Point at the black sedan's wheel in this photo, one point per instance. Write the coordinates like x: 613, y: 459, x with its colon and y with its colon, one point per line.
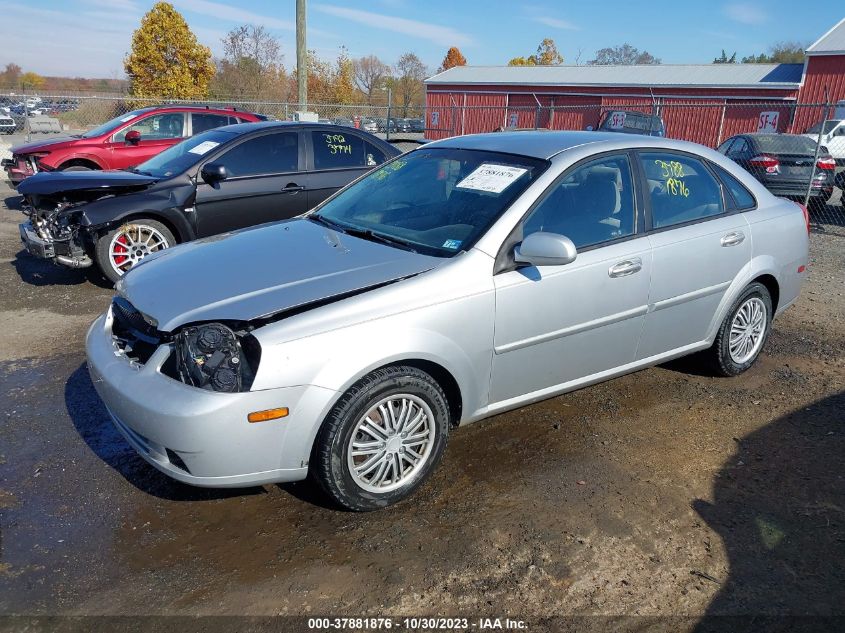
x: 120, y: 249
x: 383, y: 439
x: 743, y: 332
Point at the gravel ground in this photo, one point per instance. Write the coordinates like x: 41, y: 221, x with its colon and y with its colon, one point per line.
x: 663, y: 493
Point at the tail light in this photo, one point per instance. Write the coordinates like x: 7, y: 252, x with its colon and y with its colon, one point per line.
x: 806, y: 216
x: 827, y: 163
x: 769, y: 163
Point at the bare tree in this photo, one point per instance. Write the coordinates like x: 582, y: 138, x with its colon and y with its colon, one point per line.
x: 410, y: 73
x: 251, y: 64
x: 369, y: 73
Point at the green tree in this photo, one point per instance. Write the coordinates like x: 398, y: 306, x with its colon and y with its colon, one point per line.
x: 522, y: 61
x: 622, y: 55
x: 724, y: 59
x: 166, y: 60
x: 779, y: 53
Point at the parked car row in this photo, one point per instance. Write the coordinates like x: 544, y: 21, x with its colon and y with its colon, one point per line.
x: 379, y: 124
x: 216, y: 181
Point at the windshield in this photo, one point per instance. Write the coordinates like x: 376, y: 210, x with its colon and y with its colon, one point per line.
x: 176, y: 159
x: 111, y: 125
x: 785, y: 144
x: 436, y: 201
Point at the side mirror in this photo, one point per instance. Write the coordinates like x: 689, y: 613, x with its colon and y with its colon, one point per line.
x: 212, y: 173
x: 545, y: 249
x: 133, y: 137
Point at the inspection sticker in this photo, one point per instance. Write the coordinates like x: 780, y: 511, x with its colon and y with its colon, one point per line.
x: 491, y: 178
x: 204, y: 147
x: 452, y: 244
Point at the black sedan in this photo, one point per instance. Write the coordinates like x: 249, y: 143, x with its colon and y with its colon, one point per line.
x: 784, y: 163
x: 217, y: 181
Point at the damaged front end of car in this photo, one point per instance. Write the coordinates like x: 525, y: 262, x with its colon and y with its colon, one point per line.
x: 215, y: 356
x: 54, y: 231
x: 55, y: 203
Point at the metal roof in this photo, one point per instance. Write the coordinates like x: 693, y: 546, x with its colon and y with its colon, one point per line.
x: 675, y: 75
x: 831, y: 43
x: 545, y: 145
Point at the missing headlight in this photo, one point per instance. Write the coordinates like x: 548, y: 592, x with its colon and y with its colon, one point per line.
x: 210, y: 356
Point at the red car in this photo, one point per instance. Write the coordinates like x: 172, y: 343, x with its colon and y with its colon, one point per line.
x: 127, y: 140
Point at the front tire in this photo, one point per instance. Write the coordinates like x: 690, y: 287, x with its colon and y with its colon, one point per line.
x: 743, y: 332
x: 382, y: 440
x: 122, y: 248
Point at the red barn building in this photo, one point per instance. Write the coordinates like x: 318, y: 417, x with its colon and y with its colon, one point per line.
x: 705, y: 103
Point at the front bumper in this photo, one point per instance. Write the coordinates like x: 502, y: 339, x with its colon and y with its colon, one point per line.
x: 34, y: 244
x: 201, y: 437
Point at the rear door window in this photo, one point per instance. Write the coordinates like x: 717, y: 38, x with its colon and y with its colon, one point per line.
x: 342, y: 150
x: 680, y: 189
x: 268, y: 154
x: 202, y: 121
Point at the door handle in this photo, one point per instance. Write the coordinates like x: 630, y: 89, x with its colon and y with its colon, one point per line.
x: 734, y: 238
x: 292, y: 187
x: 625, y: 268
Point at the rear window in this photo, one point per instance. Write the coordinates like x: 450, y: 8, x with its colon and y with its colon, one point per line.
x: 339, y: 150
x: 785, y: 144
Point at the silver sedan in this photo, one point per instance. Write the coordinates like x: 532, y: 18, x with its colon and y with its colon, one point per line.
x: 468, y: 277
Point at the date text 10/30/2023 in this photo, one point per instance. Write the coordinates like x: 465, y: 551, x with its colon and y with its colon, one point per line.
x: 416, y: 624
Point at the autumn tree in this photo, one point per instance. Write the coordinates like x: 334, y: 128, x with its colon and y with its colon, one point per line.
x: 31, y: 81
x: 779, y: 53
x: 546, y: 55
x: 344, y: 78
x: 624, y: 55
x: 251, y: 64
x: 410, y: 73
x: 10, y: 77
x: 453, y: 58
x: 369, y: 74
x: 166, y: 60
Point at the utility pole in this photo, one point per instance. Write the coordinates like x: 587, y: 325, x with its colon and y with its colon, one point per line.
x: 301, y: 56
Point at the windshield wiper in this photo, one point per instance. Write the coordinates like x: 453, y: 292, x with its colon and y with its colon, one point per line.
x: 319, y: 219
x: 368, y: 234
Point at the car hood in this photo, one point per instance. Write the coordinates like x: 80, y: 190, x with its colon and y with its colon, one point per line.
x: 53, y: 143
x: 46, y: 183
x: 262, y: 271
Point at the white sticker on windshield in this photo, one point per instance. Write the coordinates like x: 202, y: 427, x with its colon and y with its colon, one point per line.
x: 204, y: 147
x: 128, y: 117
x: 491, y: 178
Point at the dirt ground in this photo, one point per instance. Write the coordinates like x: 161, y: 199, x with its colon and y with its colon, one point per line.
x: 666, y: 492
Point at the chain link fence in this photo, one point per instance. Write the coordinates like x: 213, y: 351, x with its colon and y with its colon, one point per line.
x: 796, y: 150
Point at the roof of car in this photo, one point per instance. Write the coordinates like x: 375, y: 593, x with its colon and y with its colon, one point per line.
x: 546, y: 144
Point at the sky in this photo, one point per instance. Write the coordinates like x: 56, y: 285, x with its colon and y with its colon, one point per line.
x: 88, y: 38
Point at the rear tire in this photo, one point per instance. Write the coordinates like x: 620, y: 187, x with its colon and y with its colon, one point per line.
x: 382, y: 440
x: 122, y: 248
x: 743, y: 333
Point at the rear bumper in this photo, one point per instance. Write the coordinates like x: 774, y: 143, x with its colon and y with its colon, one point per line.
x: 799, y: 190
x: 202, y: 437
